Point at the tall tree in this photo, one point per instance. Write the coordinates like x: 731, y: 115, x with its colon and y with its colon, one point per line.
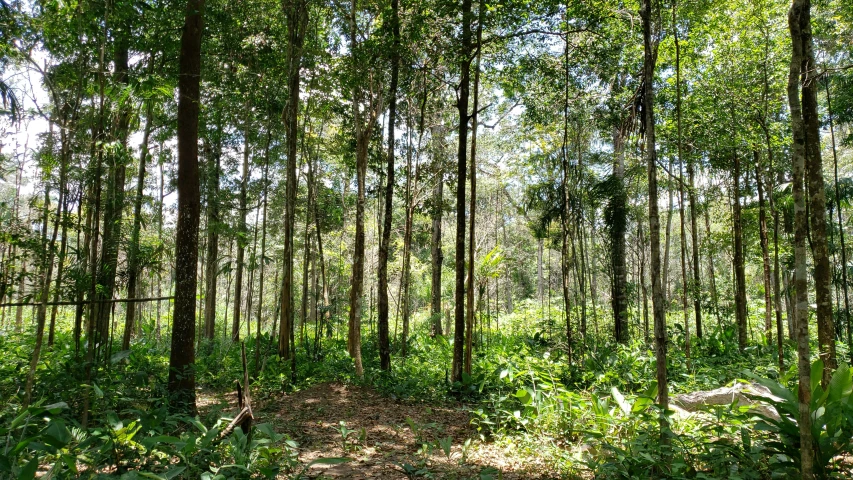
x: 465, y: 59
x: 364, y: 120
x: 809, y: 78
x: 738, y: 254
x: 650, y: 153
x: 182, y: 356
x: 385, y: 242
x: 296, y: 13
x: 798, y: 163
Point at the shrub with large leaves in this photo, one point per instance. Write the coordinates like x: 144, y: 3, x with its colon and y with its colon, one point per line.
x: 832, y: 422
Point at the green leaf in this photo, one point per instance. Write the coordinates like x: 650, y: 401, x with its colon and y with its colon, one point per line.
x: 816, y: 374
x: 56, y: 434
x: 119, y: 356
x: 841, y: 384
x: 29, y: 471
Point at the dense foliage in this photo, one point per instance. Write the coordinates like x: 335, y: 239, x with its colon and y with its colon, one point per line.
x: 561, y: 217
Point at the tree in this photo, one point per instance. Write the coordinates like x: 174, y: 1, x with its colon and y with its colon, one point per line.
x: 650, y: 153
x: 465, y: 59
x: 182, y: 356
x: 384, y: 346
x: 297, y: 21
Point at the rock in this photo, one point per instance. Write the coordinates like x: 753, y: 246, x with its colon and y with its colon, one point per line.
x: 695, y: 401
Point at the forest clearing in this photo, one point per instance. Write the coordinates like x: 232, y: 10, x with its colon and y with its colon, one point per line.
x: 404, y: 239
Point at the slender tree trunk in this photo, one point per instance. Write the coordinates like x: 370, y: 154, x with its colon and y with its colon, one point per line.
x: 470, y: 306
x: 817, y: 196
x: 64, y: 206
x: 461, y: 174
x: 306, y: 261
x: 133, y: 251
x: 668, y: 238
x: 436, y: 253
x: 212, y: 255
x: 263, y: 256
x: 242, y: 232
x: 47, y: 268
x: 411, y: 189
x: 182, y: 358
x: 696, y: 288
x: 296, y: 13
x: 650, y: 154
x: 564, y: 214
x: 385, y: 241
x: 765, y: 251
x: 114, y: 208
x: 540, y: 280
x: 840, y: 223
x: 683, y: 224
x: 800, y: 256
x: 740, y: 276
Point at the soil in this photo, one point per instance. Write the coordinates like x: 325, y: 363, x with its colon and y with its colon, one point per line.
x: 385, y: 438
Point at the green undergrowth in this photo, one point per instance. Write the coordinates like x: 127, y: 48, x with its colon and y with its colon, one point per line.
x: 594, y: 412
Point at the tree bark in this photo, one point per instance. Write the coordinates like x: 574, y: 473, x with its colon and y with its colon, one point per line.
x: 182, y: 357
x: 470, y: 306
x: 212, y: 238
x: 618, y: 211
x: 840, y: 222
x: 436, y: 253
x: 296, y: 13
x: 765, y: 250
x: 740, y: 275
x: 133, y: 253
x: 800, y: 232
x: 242, y: 232
x: 385, y: 242
x: 650, y: 154
x: 817, y: 196
x: 461, y: 177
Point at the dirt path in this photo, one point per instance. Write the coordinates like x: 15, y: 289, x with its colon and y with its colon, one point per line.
x: 387, y: 439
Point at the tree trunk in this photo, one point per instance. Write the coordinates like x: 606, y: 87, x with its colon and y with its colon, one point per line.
x: 114, y: 207
x: 436, y: 253
x: 66, y: 159
x: 212, y: 238
x: 133, y: 253
x: 564, y: 214
x: 817, y: 196
x: 667, y: 238
x: 840, y: 222
x: 263, y: 255
x: 242, y: 232
x: 765, y: 251
x: 385, y: 241
x: 461, y: 174
x: 800, y: 232
x: 47, y: 268
x: 696, y: 288
x: 470, y: 306
x: 182, y: 357
x: 618, y: 212
x: 712, y: 277
x: 296, y: 13
x: 740, y: 276
x: 650, y: 154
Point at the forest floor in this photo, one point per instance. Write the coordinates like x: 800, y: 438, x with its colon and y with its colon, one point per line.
x: 390, y: 439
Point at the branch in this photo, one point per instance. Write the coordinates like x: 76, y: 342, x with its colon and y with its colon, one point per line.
x: 535, y: 31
